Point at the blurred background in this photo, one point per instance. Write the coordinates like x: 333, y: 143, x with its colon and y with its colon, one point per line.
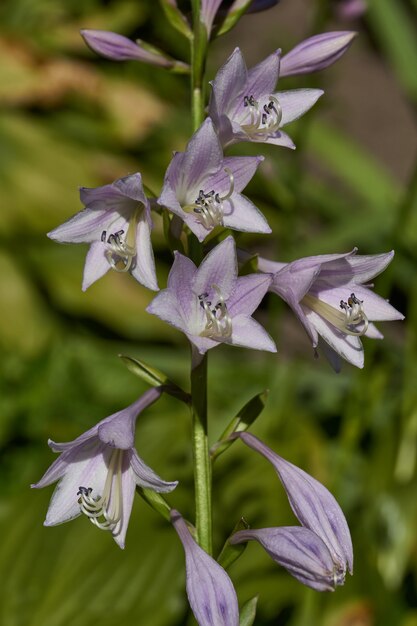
x: 69, y: 118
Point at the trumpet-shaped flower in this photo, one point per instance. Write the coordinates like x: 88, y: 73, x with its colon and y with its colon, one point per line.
x: 117, y: 223
x: 211, y: 304
x: 210, y: 591
x: 203, y: 188
x: 330, y: 296
x: 244, y: 105
x: 320, y: 556
x: 98, y: 473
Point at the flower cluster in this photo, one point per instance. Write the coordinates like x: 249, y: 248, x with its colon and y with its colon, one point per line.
x: 207, y: 300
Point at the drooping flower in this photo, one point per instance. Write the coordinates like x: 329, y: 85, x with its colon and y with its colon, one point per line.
x: 98, y: 473
x: 210, y: 591
x: 203, y: 187
x: 211, y: 304
x: 117, y: 223
x: 330, y: 296
x: 119, y: 48
x: 305, y: 554
x: 316, y: 53
x: 244, y: 105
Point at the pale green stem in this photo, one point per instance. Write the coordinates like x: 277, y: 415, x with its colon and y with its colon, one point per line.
x: 198, y: 66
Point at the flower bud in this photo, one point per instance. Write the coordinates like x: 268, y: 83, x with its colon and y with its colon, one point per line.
x: 316, y: 53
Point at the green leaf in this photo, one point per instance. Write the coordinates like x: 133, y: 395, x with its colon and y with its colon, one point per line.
x: 176, y: 18
x: 154, y: 377
x: 398, y: 36
x: 236, y: 11
x: 248, y: 612
x: 155, y: 501
x: 230, y: 553
x: 246, y: 416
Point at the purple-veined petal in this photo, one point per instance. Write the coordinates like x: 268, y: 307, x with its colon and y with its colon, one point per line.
x: 373, y: 332
x: 209, y: 9
x: 119, y: 48
x: 87, y: 468
x: 180, y: 281
x: 128, y: 492
x: 118, y: 430
x: 229, y: 82
x: 366, y: 267
x: 295, y: 280
x: 166, y: 306
x: 218, y: 268
x: 313, y: 505
x: 300, y: 551
x: 247, y: 293
x: 248, y: 333
x: 144, y: 265
x: 210, y: 591
x: 144, y: 476
x: 349, y: 347
x: 96, y: 264
x: 269, y: 267
x: 376, y: 308
x: 263, y: 77
x: 241, y: 214
x: 52, y: 474
x: 281, y: 139
x: 168, y: 199
x: 296, y: 102
x: 131, y: 186
x: 242, y: 169
x: 85, y: 226
x: 202, y: 344
x: 316, y: 53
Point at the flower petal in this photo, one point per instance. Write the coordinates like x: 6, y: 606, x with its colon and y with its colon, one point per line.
x: 144, y: 476
x: 316, y: 53
x: 296, y: 102
x: 144, y: 266
x: 349, y: 347
x: 128, y: 493
x: 248, y: 333
x: 241, y: 214
x: 119, y: 48
x: 96, y: 264
x: 242, y: 169
x: 218, y: 268
x: 248, y: 293
x: 210, y: 591
x: 229, y: 82
x: 202, y: 158
x: 85, y: 226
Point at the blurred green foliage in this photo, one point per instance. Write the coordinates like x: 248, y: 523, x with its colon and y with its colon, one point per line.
x: 70, y: 119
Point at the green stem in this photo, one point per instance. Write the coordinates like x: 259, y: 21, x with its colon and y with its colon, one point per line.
x: 202, y: 464
x: 198, y: 64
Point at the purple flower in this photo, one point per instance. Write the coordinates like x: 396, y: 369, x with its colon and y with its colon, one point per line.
x: 244, y: 105
x: 98, y: 473
x: 211, y: 304
x: 350, y: 9
x: 119, y: 48
x: 203, y: 188
x: 210, y: 591
x: 328, y: 294
x: 117, y: 223
x: 208, y: 12
x: 316, y: 53
x: 318, y: 512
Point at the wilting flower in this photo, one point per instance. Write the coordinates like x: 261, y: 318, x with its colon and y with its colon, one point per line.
x: 203, y: 188
x: 210, y: 591
x: 211, y: 304
x: 328, y: 294
x: 321, y: 552
x: 316, y: 53
x: 117, y: 223
x: 98, y: 473
x: 244, y: 105
x: 119, y: 48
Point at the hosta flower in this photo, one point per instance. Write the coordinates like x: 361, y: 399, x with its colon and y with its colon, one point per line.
x: 244, y: 105
x: 210, y: 591
x: 117, y: 223
x: 203, y: 188
x: 330, y: 295
x: 98, y: 473
x: 211, y: 304
x: 316, y: 53
x: 320, y: 553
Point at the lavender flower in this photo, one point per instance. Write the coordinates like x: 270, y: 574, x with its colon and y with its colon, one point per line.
x: 328, y: 294
x: 117, y: 223
x: 316, y: 53
x: 245, y: 107
x: 318, y: 512
x: 211, y: 304
x: 210, y: 591
x: 98, y: 473
x: 208, y: 12
x: 119, y: 48
x: 203, y: 188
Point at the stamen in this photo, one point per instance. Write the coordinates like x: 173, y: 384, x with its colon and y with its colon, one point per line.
x: 209, y: 206
x: 120, y: 252
x: 347, y: 320
x: 109, y: 505
x: 262, y: 125
x: 218, y: 321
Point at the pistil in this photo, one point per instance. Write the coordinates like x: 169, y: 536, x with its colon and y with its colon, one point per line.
x: 347, y: 319
x: 218, y: 321
x: 263, y: 122
x: 108, y: 506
